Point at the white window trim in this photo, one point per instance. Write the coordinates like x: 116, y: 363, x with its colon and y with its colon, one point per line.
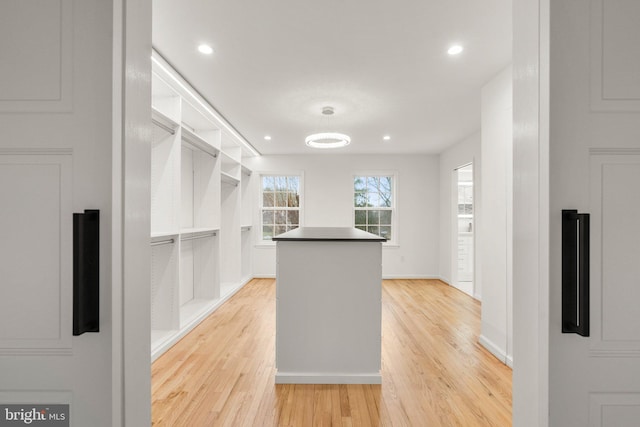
x: 260, y: 243
x: 394, y: 242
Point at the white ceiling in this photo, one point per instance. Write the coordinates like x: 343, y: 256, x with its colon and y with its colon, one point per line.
x: 382, y: 65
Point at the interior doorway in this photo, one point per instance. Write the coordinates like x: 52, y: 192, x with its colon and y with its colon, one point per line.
x: 464, y: 229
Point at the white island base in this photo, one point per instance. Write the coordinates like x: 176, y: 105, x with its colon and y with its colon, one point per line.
x: 328, y: 307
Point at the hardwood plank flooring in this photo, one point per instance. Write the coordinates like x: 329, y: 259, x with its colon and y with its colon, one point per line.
x: 434, y: 372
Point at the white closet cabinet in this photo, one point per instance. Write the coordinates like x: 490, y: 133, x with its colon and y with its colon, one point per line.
x: 199, y: 253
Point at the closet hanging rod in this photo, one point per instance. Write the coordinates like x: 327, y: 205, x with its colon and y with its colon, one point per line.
x: 169, y: 129
x: 163, y: 242
x: 200, y: 236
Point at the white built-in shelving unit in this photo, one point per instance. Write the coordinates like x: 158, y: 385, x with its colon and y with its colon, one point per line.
x: 246, y: 226
x: 200, y: 254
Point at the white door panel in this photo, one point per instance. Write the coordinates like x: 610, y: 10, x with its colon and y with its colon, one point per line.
x: 56, y: 82
x: 36, y: 49
x: 594, y: 163
x: 615, y: 270
x: 615, y: 73
x: 614, y: 409
x: 35, y: 308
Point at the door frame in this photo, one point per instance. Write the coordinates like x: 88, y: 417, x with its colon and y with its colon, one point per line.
x: 454, y: 227
x: 131, y: 190
x: 531, y: 56
x: 131, y: 354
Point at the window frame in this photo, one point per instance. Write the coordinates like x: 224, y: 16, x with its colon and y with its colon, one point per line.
x: 260, y: 240
x: 393, y: 242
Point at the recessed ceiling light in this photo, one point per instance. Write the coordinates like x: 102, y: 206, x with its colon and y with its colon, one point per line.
x: 386, y: 137
x: 455, y: 49
x: 206, y: 49
x: 267, y: 138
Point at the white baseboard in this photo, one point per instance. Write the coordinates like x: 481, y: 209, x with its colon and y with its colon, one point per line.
x: 445, y: 280
x: 315, y: 378
x: 388, y: 277
x: 264, y: 276
x: 494, y: 349
x: 510, y: 361
x: 410, y: 276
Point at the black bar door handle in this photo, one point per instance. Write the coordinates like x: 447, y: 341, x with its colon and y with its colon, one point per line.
x: 575, y: 272
x: 86, y: 272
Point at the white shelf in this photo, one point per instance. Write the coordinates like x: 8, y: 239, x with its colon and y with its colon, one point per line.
x: 195, y: 117
x: 163, y: 121
x: 228, y: 179
x: 198, y: 231
x: 230, y: 166
x: 163, y: 234
x: 229, y: 158
x: 246, y: 171
x: 198, y: 141
x: 245, y: 228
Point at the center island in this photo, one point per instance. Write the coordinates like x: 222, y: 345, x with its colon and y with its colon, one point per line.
x: 328, y: 306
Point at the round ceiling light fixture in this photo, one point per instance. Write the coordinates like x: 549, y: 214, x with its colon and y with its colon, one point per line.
x: 326, y: 140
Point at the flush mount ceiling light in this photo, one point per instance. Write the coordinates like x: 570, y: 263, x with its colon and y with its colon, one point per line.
x: 455, y: 49
x: 386, y: 138
x: 205, y: 49
x: 326, y: 140
x: 267, y: 138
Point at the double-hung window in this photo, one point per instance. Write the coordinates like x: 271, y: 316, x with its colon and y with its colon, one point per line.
x: 374, y: 204
x: 280, y: 204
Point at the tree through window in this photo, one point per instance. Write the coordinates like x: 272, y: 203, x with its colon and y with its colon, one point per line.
x: 280, y: 204
x: 373, y: 203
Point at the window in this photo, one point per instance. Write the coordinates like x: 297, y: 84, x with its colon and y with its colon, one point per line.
x: 373, y: 203
x: 280, y: 204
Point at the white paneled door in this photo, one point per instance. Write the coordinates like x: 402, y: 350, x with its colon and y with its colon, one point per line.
x: 55, y: 159
x: 595, y: 168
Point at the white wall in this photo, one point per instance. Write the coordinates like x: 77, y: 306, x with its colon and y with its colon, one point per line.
x: 464, y: 152
x: 328, y: 201
x: 495, y: 245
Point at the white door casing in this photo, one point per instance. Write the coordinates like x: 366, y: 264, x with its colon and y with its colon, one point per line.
x: 595, y: 168
x: 132, y: 208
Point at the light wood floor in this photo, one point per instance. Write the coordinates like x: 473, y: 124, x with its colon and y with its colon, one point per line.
x: 434, y: 373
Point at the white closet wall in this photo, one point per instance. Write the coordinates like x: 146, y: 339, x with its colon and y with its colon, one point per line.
x: 196, y: 230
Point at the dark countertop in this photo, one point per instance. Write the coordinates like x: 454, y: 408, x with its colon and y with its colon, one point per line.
x: 330, y: 234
